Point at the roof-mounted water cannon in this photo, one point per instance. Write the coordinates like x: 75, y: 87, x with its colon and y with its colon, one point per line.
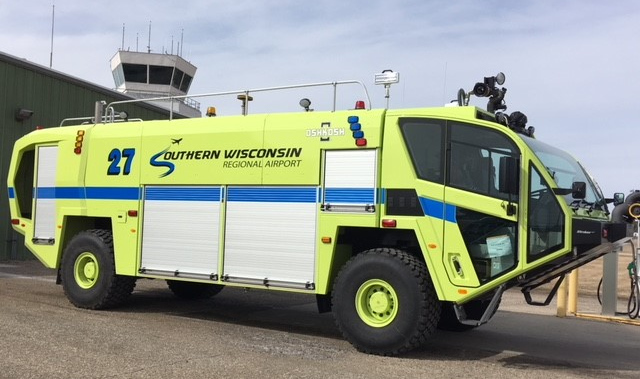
x: 488, y: 89
x: 387, y: 78
x: 516, y: 121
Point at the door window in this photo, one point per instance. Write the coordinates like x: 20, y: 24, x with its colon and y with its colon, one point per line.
x: 546, y: 219
x: 475, y: 159
x: 491, y: 241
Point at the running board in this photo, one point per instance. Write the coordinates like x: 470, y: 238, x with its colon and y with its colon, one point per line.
x: 559, y: 271
x: 461, y: 314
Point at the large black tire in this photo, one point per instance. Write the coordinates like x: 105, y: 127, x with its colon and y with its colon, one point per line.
x: 88, y: 272
x: 193, y: 291
x: 384, y: 302
x: 474, y: 310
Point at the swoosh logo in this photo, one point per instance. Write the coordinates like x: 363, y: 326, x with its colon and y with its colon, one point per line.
x: 155, y: 163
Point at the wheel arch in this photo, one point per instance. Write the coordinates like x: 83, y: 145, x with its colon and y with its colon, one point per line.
x: 352, y: 241
x: 73, y: 225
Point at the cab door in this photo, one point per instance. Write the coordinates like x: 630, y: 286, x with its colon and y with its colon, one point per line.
x: 481, y: 227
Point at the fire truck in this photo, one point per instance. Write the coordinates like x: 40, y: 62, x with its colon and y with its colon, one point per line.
x: 397, y: 221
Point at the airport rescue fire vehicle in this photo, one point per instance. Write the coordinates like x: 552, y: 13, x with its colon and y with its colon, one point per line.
x: 398, y: 221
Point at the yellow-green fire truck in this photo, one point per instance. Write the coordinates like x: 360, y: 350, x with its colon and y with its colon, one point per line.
x: 398, y: 221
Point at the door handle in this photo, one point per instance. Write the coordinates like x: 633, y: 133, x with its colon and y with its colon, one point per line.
x: 510, y: 208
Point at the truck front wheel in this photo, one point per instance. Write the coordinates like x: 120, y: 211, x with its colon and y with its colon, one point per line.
x: 384, y: 302
x: 88, y: 272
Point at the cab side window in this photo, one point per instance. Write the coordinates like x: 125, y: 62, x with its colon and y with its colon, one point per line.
x: 425, y: 139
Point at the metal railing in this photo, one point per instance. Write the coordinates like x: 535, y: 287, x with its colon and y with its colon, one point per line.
x: 109, y: 112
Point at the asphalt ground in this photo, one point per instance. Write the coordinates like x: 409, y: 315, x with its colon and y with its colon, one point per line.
x: 248, y: 334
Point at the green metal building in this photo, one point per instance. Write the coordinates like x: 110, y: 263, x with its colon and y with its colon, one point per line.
x: 33, y: 96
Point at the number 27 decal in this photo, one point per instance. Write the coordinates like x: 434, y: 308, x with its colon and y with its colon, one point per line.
x: 115, y: 156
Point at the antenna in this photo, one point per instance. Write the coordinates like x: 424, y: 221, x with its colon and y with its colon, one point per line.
x: 149, y: 45
x: 181, y: 42
x: 137, y: 35
x: 171, y: 45
x: 122, y: 47
x: 53, y: 19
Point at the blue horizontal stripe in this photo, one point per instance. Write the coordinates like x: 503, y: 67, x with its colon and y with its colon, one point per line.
x: 438, y: 209
x: 382, y: 195
x: 91, y: 193
x: 12, y: 193
x: 349, y: 195
x: 273, y: 194
x: 113, y: 193
x: 183, y: 193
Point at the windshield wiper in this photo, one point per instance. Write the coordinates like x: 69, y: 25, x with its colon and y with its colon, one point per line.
x: 581, y: 203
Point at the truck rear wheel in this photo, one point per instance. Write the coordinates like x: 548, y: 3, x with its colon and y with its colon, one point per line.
x: 88, y: 272
x: 384, y: 302
x: 193, y: 291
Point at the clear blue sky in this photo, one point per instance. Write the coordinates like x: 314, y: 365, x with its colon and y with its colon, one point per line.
x: 571, y: 66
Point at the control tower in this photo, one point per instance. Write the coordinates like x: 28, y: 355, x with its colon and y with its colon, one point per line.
x: 149, y: 75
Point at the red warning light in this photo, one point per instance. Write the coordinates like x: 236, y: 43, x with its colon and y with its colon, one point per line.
x: 361, y: 142
x: 359, y: 104
x: 77, y: 150
x: 389, y: 223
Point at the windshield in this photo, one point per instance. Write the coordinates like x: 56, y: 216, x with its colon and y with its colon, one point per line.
x: 565, y: 170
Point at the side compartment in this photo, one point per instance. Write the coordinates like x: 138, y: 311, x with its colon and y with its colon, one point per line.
x: 270, y: 236
x: 181, y: 231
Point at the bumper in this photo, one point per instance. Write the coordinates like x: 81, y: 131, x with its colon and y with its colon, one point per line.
x: 587, y: 234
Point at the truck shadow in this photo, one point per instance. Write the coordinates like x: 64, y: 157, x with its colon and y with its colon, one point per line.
x: 513, y: 340
x: 289, y: 312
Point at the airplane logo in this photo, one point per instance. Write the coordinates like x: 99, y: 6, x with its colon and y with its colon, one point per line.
x: 176, y: 141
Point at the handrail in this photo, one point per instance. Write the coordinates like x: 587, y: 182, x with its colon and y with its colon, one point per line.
x: 90, y: 119
x: 109, y: 112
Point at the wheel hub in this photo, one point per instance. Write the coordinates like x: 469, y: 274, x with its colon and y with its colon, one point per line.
x: 376, y: 303
x: 90, y: 271
x: 379, y: 302
x: 86, y: 270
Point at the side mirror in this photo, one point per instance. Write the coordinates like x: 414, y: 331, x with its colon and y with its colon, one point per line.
x: 618, y: 198
x: 579, y: 190
x: 509, y: 179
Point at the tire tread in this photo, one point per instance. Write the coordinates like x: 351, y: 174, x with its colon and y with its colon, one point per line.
x: 429, y: 309
x: 119, y: 287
